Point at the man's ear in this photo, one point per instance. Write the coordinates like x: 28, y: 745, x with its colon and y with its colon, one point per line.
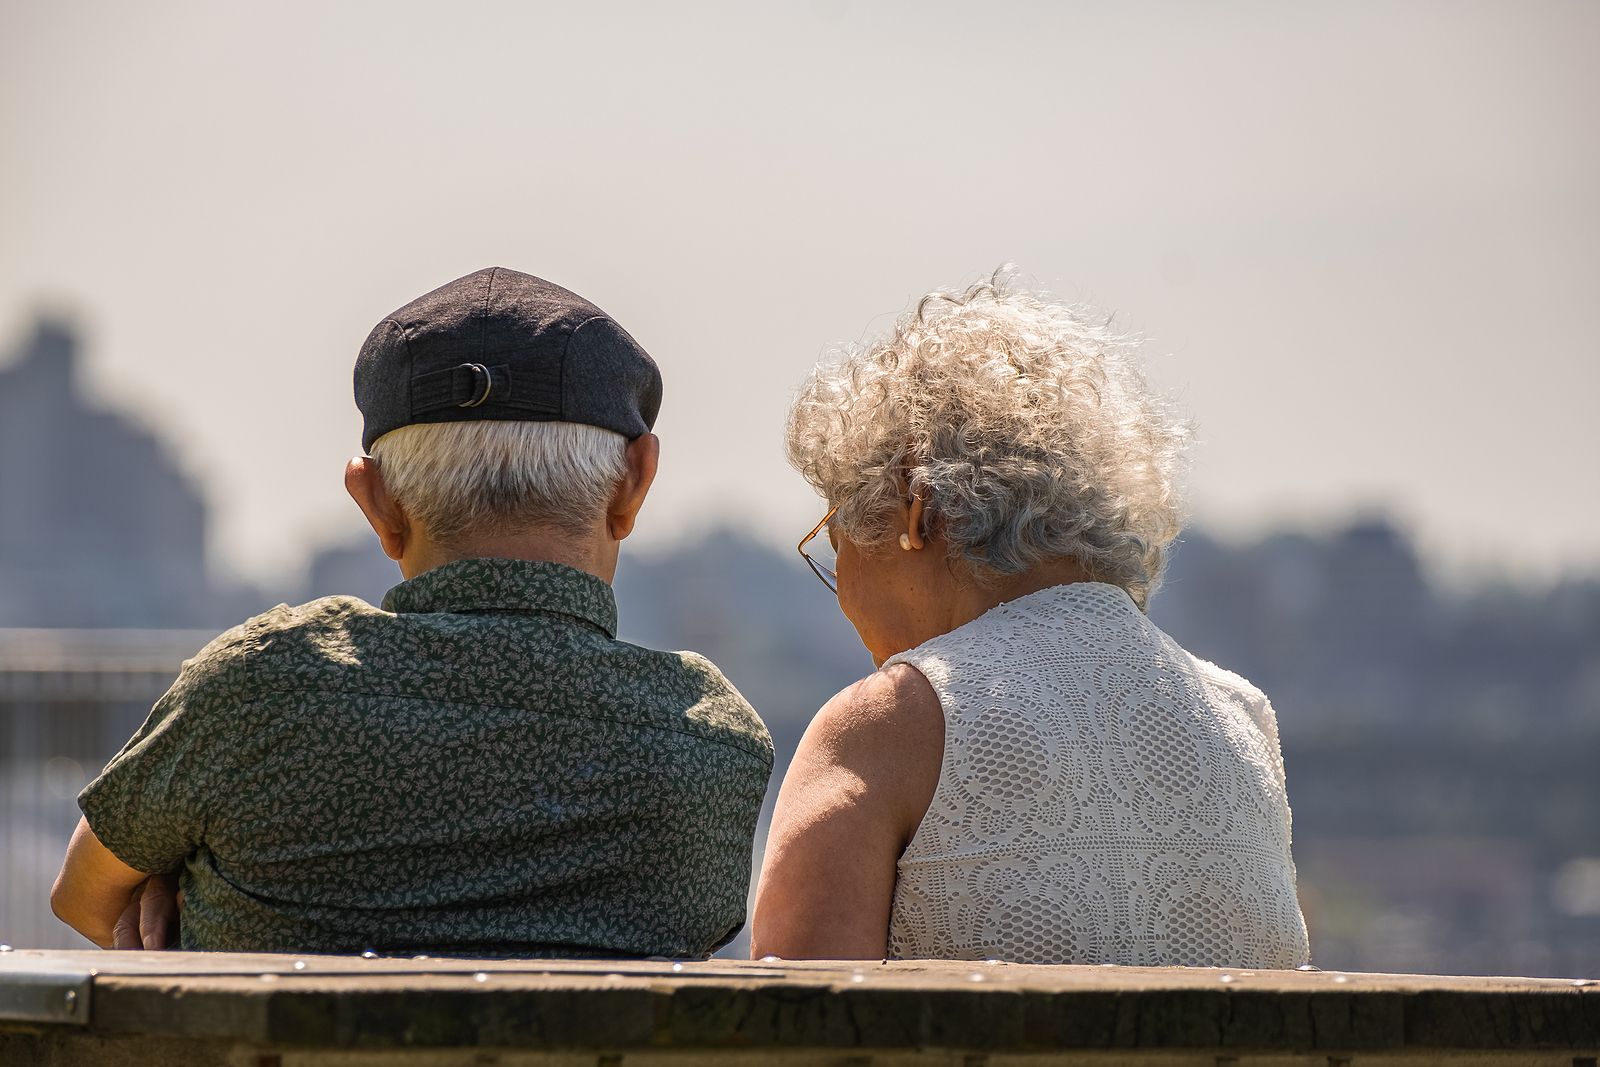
x: 364, y: 482
x: 644, y: 453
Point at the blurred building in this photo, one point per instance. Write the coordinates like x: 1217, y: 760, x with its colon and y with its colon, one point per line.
x: 102, y: 565
x: 98, y: 524
x: 1442, y: 744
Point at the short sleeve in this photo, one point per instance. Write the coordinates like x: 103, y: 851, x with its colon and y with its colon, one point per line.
x: 148, y: 806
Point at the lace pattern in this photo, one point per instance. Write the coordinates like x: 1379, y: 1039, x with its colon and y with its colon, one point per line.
x: 1105, y: 797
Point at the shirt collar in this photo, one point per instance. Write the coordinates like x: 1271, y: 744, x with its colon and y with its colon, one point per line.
x: 508, y: 585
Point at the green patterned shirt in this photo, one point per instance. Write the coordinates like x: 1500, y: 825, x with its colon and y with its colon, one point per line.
x: 479, y: 768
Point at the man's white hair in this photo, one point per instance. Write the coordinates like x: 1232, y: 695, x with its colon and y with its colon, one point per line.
x: 464, y: 479
x: 1027, y: 428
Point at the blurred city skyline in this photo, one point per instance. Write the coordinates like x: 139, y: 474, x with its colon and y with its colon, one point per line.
x: 1440, y: 742
x: 1362, y: 239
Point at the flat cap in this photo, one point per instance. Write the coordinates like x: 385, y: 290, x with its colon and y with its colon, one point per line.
x: 502, y: 345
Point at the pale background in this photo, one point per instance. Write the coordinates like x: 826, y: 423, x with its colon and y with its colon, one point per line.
x: 1364, y: 239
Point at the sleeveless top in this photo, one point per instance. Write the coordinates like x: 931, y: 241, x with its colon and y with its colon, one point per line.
x: 1105, y: 797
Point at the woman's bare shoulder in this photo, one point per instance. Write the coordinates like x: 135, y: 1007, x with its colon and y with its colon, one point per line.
x: 881, y: 737
x: 896, y: 700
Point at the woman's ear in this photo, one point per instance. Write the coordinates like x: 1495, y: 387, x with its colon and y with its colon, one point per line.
x: 364, y: 482
x: 911, y: 511
x: 912, y: 538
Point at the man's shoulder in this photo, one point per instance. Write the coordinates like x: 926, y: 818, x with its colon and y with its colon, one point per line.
x: 715, y: 703
x: 702, y: 670
x: 283, y: 633
x: 312, y: 618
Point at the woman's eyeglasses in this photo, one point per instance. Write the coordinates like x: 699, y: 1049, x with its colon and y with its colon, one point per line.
x: 822, y: 570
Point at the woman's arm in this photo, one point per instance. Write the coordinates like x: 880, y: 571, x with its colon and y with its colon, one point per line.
x: 859, y: 785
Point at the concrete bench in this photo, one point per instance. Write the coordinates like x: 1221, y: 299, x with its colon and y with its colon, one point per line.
x: 113, y: 1009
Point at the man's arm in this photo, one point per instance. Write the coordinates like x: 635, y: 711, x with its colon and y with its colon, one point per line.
x: 94, y: 888
x: 144, y: 813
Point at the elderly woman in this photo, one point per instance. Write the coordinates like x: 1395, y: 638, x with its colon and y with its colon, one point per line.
x: 1035, y: 772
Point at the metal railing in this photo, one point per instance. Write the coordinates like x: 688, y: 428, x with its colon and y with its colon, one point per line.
x: 69, y: 699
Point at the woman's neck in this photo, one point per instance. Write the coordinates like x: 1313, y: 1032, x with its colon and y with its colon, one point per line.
x: 971, y: 599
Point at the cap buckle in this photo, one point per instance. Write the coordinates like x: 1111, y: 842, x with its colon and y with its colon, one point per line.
x: 488, y: 384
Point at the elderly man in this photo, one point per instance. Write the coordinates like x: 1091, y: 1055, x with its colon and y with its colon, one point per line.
x: 479, y: 767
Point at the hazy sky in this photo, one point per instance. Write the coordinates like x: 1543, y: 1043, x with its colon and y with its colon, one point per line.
x: 1363, y: 239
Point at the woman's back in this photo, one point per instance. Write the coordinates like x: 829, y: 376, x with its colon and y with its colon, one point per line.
x: 1105, y: 797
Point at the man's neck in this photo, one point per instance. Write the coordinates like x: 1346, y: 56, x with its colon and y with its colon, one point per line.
x: 590, y: 552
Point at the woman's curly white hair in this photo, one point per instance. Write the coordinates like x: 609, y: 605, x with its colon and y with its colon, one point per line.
x: 1028, y: 430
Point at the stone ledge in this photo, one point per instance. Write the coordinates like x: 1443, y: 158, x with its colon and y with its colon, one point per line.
x: 223, y: 1006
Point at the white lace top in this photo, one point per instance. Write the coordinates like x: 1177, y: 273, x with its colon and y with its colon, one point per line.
x: 1106, y: 797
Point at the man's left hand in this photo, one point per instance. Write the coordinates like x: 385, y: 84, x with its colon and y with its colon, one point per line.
x: 151, y: 919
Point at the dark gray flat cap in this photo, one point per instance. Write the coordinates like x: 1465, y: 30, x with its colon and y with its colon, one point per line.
x: 503, y: 345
